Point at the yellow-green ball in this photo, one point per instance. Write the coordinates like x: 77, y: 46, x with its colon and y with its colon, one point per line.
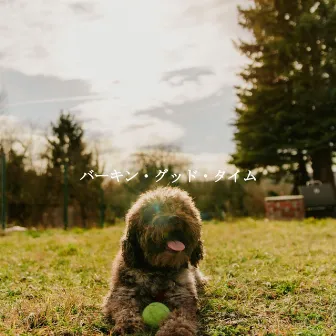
x: 154, y: 313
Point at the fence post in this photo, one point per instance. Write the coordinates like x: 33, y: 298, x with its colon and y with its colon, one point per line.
x: 102, y: 207
x: 65, y: 206
x: 3, y: 188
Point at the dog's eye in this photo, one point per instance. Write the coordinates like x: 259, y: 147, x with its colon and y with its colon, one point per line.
x: 150, y: 212
x: 160, y: 221
x: 174, y: 220
x: 148, y: 215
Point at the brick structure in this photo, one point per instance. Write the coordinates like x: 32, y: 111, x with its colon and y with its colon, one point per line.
x: 285, y: 207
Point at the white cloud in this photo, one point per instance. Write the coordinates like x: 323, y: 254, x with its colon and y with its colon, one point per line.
x: 211, y: 163
x: 123, y: 49
x: 134, y: 42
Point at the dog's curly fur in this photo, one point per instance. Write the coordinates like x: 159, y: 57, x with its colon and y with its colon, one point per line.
x: 145, y: 271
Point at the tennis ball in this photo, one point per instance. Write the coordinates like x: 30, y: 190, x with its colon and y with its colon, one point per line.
x: 154, y: 313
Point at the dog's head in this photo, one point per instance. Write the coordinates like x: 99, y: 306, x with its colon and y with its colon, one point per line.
x: 163, y: 229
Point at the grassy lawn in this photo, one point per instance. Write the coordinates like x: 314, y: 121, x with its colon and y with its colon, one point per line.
x: 267, y: 278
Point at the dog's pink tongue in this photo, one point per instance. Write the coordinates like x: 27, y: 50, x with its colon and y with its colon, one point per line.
x: 176, y: 245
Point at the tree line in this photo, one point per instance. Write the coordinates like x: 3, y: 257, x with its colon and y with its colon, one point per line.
x: 31, y: 193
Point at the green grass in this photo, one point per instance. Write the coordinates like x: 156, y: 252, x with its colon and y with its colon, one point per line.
x: 267, y: 278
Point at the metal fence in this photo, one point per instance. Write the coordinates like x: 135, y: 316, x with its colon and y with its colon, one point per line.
x: 63, y: 215
x: 3, y: 189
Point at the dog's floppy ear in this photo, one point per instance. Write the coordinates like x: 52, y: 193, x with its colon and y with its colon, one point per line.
x: 130, y: 247
x: 197, y: 254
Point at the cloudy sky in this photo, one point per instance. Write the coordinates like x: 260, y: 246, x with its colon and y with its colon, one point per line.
x: 134, y: 72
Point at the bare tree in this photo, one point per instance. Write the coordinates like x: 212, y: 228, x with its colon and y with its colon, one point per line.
x: 160, y: 157
x: 152, y: 159
x: 15, y: 136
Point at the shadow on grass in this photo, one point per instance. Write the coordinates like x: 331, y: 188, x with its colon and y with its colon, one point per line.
x: 219, y: 320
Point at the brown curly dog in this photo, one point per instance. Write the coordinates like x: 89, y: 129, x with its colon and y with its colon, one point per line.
x: 157, y: 261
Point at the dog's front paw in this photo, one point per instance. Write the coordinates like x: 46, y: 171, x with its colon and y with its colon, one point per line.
x: 178, y: 326
x: 131, y: 326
